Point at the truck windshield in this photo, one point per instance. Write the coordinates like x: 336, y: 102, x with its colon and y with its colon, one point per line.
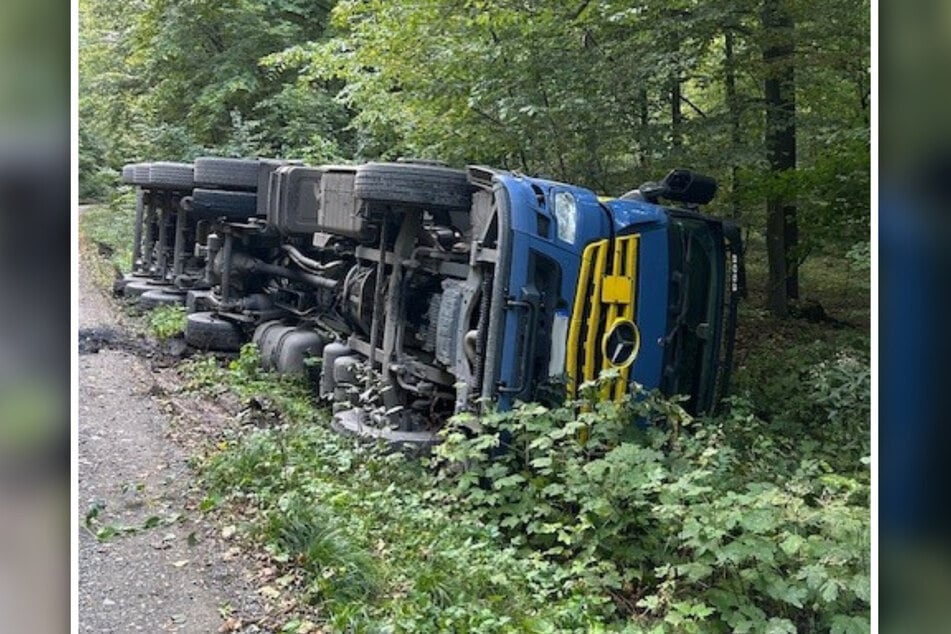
x: 697, y: 271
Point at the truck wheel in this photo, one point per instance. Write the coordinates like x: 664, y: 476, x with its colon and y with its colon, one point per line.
x: 137, y: 289
x: 413, y: 184
x: 119, y: 284
x: 140, y: 174
x: 226, y: 173
x: 217, y: 203
x: 208, y: 331
x: 419, y: 161
x: 165, y: 175
x: 155, y: 298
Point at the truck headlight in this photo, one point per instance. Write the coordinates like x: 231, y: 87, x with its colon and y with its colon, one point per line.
x: 566, y: 216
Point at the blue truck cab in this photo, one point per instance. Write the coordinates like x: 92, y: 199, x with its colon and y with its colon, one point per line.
x: 584, y: 284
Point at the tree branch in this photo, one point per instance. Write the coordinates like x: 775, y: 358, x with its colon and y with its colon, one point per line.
x: 693, y: 106
x: 488, y: 117
x: 580, y: 10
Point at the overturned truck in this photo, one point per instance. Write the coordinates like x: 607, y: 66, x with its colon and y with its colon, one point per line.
x: 425, y: 291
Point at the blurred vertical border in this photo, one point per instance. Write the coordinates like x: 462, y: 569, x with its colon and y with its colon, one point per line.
x: 914, y: 215
x: 35, y: 340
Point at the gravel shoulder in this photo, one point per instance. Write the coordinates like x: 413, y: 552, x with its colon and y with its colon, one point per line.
x: 177, y: 574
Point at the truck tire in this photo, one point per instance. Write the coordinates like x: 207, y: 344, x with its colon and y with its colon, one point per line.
x: 226, y: 173
x: 137, y: 289
x: 164, y: 175
x: 119, y: 284
x: 218, y: 203
x: 140, y: 174
x: 420, y: 161
x: 413, y: 184
x: 208, y: 331
x: 156, y: 298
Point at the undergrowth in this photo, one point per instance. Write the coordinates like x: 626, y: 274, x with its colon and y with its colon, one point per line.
x: 667, y: 516
x: 357, y: 537
x: 560, y: 519
x: 166, y: 322
x: 111, y: 227
x: 812, y: 399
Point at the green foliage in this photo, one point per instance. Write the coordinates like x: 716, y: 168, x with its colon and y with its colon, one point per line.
x: 571, y: 517
x: 176, y: 79
x: 566, y: 518
x: 353, y: 533
x: 96, y: 180
x: 243, y: 376
x: 664, y: 517
x: 110, y: 227
x: 104, y: 532
x: 812, y: 400
x: 318, y: 542
x: 588, y: 93
x: 860, y: 256
x: 580, y: 91
x: 167, y: 322
x: 841, y: 392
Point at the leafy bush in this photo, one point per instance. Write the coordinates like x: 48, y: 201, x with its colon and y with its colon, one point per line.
x: 167, y: 322
x: 665, y: 517
x: 843, y: 388
x: 811, y: 401
x: 859, y: 256
x: 95, y: 183
x: 562, y: 519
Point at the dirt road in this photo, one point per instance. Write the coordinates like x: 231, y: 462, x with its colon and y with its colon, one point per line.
x: 170, y: 574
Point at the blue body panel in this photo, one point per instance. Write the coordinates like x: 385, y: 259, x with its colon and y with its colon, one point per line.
x: 627, y: 217
x: 652, y: 276
x: 653, y: 273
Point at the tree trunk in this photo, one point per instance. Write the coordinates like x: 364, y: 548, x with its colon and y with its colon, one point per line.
x: 782, y: 234
x: 643, y: 115
x: 676, y: 116
x: 733, y: 106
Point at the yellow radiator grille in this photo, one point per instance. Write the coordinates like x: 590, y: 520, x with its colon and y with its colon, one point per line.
x: 606, y: 292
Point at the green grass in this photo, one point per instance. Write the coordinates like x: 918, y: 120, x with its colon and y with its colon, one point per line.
x: 369, y: 551
x: 110, y: 227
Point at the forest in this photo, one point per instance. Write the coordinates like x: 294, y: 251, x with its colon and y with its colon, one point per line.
x: 754, y: 520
